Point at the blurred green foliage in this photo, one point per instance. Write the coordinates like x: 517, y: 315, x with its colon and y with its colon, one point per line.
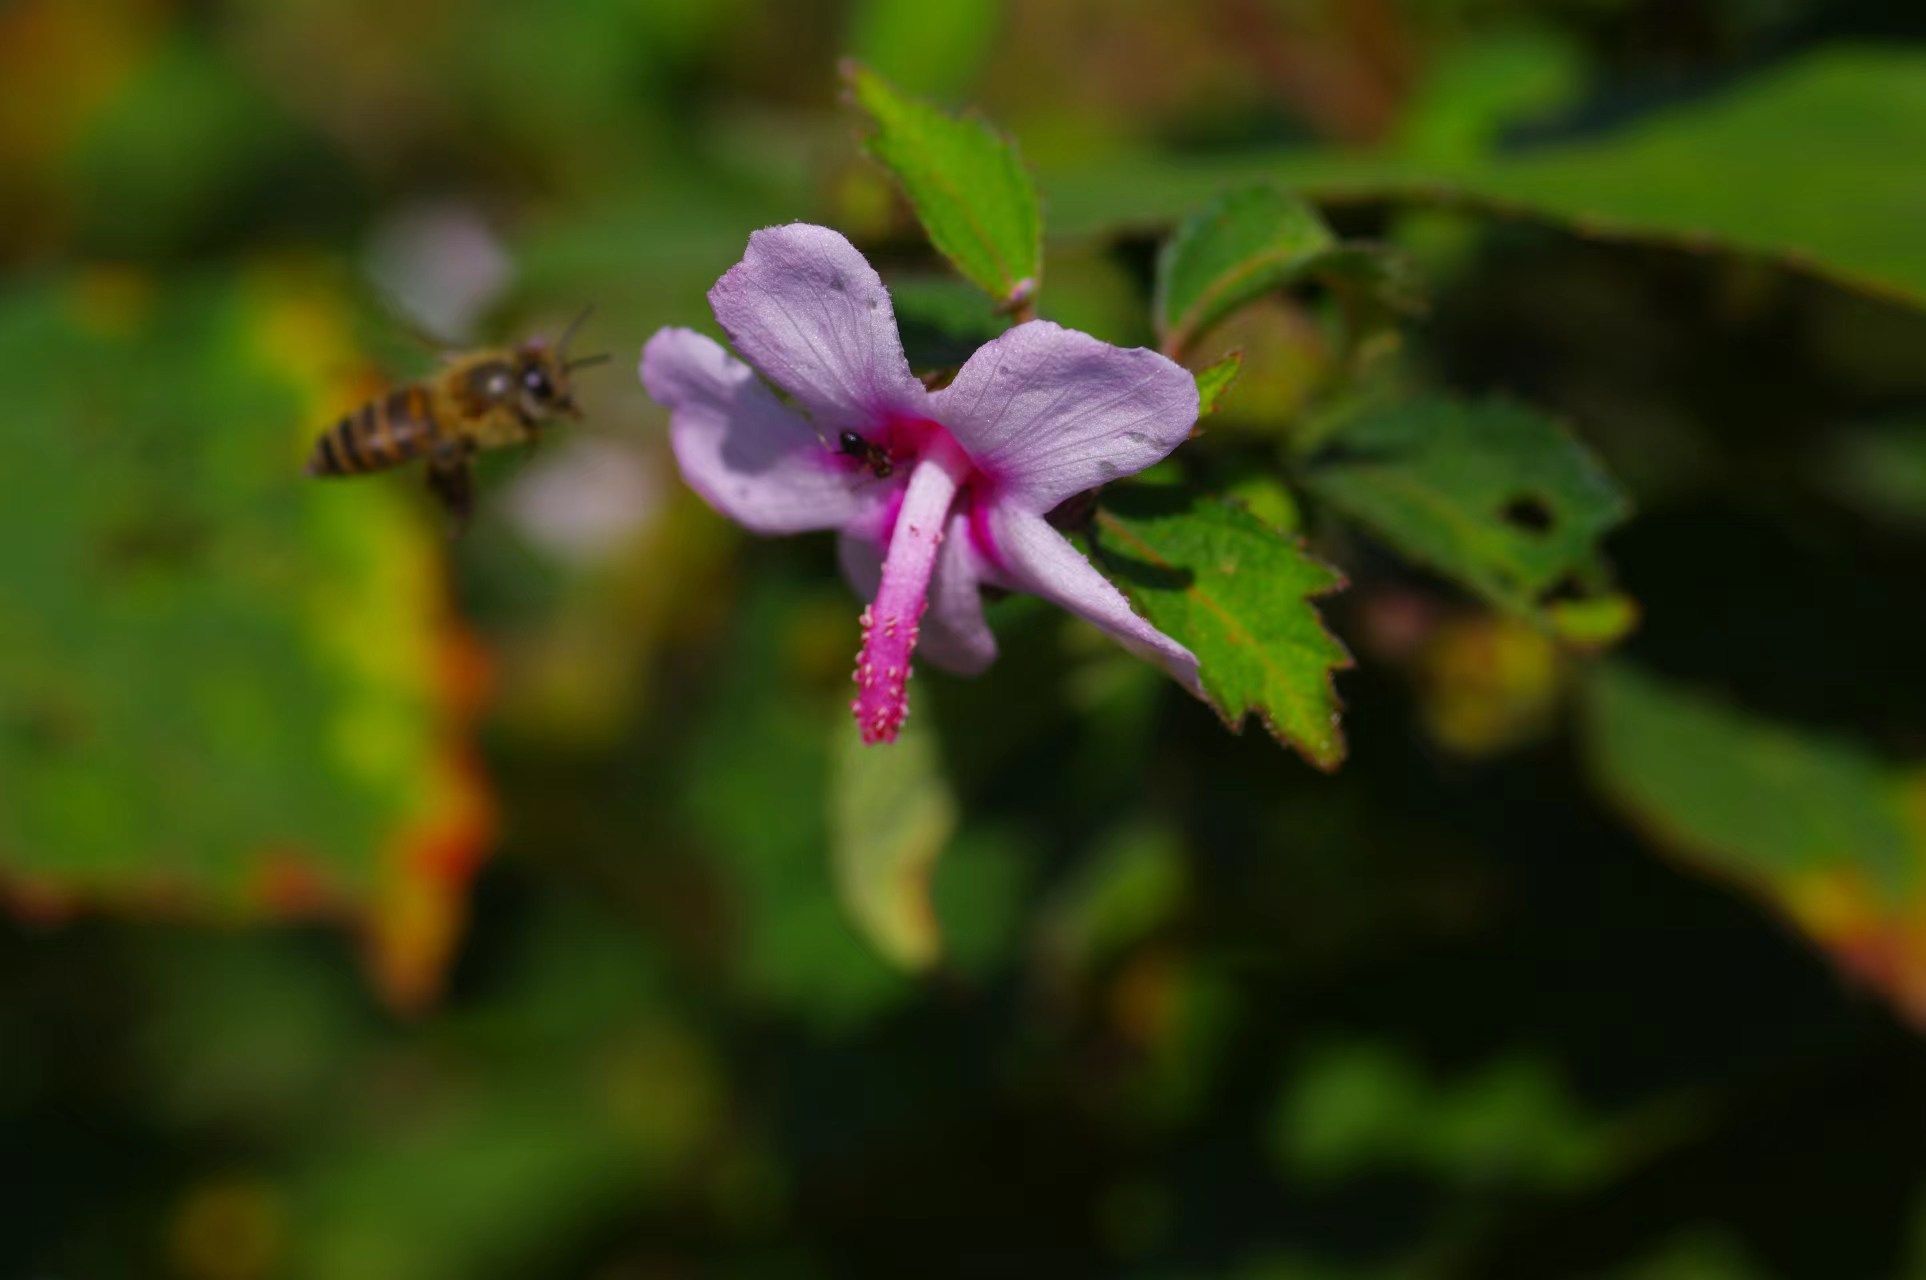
x: 1822, y: 828
x: 1241, y: 247
x: 1577, y: 967
x: 224, y: 695
x: 1843, y: 208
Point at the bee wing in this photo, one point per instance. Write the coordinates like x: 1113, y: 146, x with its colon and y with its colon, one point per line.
x: 443, y: 346
x: 439, y: 265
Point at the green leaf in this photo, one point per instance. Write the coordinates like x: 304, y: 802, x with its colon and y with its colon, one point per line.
x: 1259, y: 491
x: 1214, y: 380
x: 891, y: 813
x: 1236, y: 592
x: 224, y: 687
x: 965, y: 181
x: 1813, y: 163
x: 1237, y: 248
x: 1748, y: 795
x: 1492, y: 495
x: 1821, y: 828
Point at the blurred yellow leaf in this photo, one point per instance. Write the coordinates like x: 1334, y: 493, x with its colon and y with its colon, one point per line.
x: 229, y: 691
x: 1829, y: 834
x: 891, y: 814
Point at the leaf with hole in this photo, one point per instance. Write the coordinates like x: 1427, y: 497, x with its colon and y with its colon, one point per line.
x: 1490, y: 494
x: 966, y: 183
x: 1239, y: 595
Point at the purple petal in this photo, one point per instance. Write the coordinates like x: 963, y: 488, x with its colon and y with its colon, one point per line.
x: 748, y: 456
x: 1035, y: 558
x: 1050, y: 412
x: 810, y: 313
x: 955, y: 635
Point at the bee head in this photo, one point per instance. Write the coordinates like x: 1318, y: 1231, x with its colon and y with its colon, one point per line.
x: 543, y: 374
x: 542, y: 382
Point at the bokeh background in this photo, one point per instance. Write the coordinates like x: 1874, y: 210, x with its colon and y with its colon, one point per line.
x: 380, y: 905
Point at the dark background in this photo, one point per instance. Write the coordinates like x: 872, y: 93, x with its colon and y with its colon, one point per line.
x: 386, y: 906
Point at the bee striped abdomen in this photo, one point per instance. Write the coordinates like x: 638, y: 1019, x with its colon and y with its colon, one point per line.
x: 381, y: 434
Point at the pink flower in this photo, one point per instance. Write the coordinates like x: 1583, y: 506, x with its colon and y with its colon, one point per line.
x: 935, y: 493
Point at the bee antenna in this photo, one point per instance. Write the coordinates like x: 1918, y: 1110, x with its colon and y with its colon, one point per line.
x: 583, y: 362
x: 568, y: 334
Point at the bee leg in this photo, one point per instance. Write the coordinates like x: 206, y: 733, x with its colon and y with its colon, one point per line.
x: 451, y: 478
x: 531, y: 431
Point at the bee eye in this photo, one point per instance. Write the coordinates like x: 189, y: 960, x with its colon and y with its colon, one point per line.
x: 537, y: 384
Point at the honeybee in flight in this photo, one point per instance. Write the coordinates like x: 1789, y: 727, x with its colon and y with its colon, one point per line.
x: 485, y: 399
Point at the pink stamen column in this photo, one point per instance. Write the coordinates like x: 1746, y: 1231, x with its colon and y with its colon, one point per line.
x: 891, y: 621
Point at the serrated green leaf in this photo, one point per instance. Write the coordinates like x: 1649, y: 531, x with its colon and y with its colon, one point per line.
x: 1260, y: 492
x: 1214, y: 380
x: 1238, y: 247
x: 891, y: 813
x: 1819, y: 827
x: 1493, y: 495
x: 966, y: 183
x: 1237, y: 593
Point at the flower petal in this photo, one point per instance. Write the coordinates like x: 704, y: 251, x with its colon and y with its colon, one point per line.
x: 1032, y: 556
x: 956, y: 637
x: 751, y: 458
x: 1050, y: 412
x: 810, y: 313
